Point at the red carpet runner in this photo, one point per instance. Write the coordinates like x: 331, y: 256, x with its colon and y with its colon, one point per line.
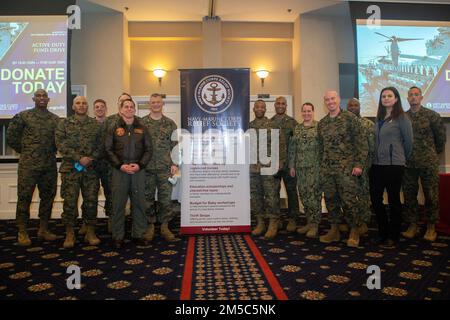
x: 227, y: 267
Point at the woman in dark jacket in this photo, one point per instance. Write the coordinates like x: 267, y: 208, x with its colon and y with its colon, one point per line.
x: 393, y: 145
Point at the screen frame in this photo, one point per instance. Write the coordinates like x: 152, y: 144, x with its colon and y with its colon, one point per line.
x: 395, y: 11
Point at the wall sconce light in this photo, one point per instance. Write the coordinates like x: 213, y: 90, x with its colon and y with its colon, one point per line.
x: 262, y: 74
x: 159, y: 73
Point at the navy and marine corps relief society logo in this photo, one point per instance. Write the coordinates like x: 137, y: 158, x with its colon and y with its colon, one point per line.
x: 214, y: 94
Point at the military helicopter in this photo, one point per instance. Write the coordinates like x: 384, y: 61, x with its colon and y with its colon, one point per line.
x: 394, y: 48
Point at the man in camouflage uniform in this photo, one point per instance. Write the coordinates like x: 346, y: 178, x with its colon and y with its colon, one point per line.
x: 101, y: 166
x: 286, y: 124
x: 77, y: 139
x: 160, y: 168
x: 304, y: 162
x: 343, y: 158
x: 264, y: 200
x: 429, y: 141
x: 367, y: 126
x: 32, y: 134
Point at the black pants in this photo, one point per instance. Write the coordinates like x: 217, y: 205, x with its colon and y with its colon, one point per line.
x: 389, y: 177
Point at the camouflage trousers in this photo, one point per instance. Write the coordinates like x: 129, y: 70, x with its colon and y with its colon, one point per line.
x: 104, y: 172
x: 341, y: 191
x: 263, y: 202
x: 157, y: 180
x: 27, y: 179
x: 429, y: 178
x: 126, y: 186
x: 310, y: 193
x: 72, y: 183
x: 291, y: 190
x: 364, y: 195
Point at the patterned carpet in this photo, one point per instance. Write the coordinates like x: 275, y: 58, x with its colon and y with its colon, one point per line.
x: 228, y: 267
x: 221, y: 267
x: 135, y: 272
x: 308, y: 269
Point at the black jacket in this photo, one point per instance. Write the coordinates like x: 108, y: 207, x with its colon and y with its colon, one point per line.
x: 128, y: 145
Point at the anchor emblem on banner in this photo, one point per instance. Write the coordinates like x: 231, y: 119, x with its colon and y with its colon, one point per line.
x: 213, y: 94
x: 213, y: 88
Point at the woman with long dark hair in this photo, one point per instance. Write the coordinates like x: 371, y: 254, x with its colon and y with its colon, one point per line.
x: 393, y: 145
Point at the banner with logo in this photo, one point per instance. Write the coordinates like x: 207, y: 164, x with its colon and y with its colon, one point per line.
x: 214, y: 172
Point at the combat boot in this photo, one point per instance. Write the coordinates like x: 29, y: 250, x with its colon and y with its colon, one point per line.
x: 83, y: 229
x: 22, y: 237
x: 313, y: 231
x: 272, y: 230
x: 363, y: 229
x: 430, y: 234
x: 90, y: 236
x: 343, y: 227
x: 69, y: 242
x: 304, y: 229
x: 412, y: 231
x: 260, y: 227
x: 291, y: 226
x: 166, y: 233
x: 332, y: 235
x: 44, y: 233
x: 150, y: 232
x: 353, y: 239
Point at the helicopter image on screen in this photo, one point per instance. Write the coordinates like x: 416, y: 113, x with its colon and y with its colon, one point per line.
x: 394, y: 48
x: 398, y: 67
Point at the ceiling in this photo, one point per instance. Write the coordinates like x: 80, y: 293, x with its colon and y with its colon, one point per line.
x: 227, y: 10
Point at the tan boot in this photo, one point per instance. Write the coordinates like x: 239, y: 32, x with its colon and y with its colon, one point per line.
x: 260, y: 227
x: 91, y: 237
x: 363, y: 229
x: 313, y: 231
x: 332, y: 235
x: 166, y: 233
x: 353, y: 239
x: 291, y: 226
x: 304, y: 229
x: 412, y: 231
x: 343, y: 227
x: 430, y: 234
x: 272, y: 230
x: 22, y: 237
x: 83, y: 229
x: 150, y: 232
x: 69, y: 242
x: 44, y: 233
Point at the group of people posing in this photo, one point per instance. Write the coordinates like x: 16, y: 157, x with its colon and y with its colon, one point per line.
x: 128, y: 155
x: 352, y: 160
x: 349, y: 159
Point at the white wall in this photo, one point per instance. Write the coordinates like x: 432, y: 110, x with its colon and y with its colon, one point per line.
x: 319, y: 64
x: 100, y: 57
